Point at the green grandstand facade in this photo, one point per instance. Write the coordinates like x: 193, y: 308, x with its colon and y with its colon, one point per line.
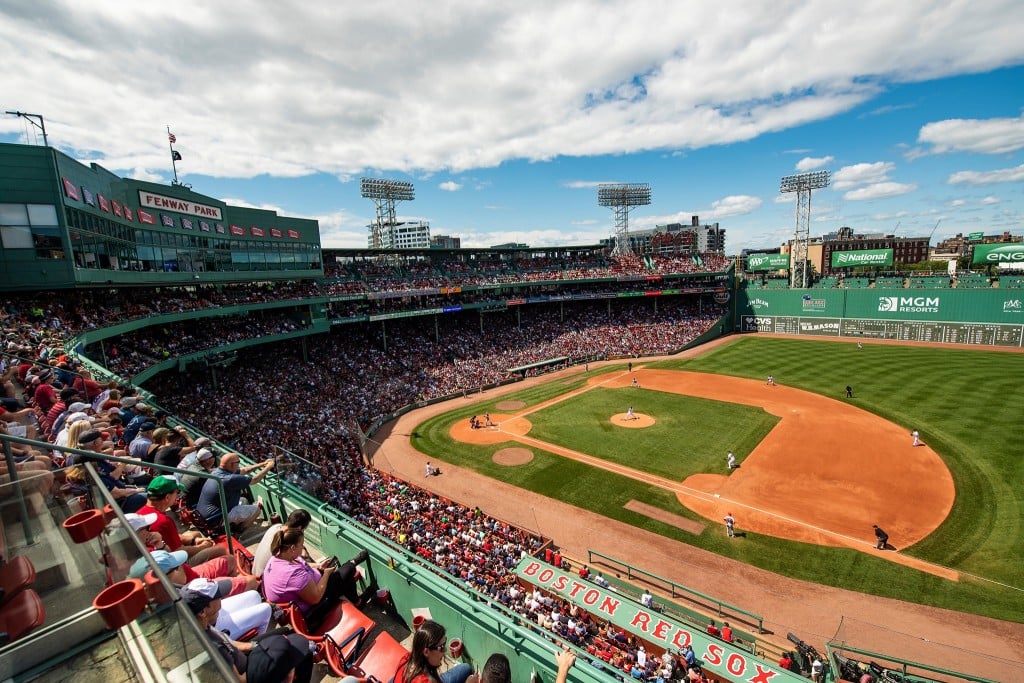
x: 64, y: 224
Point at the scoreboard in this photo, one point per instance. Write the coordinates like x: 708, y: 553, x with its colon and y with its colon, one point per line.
x: 981, y: 334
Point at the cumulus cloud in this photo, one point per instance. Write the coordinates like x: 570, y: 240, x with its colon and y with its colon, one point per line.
x: 861, y: 174
x: 879, y: 191
x: 735, y: 205
x: 291, y: 89
x: 1002, y: 175
x: 811, y: 163
x: 982, y: 136
x: 450, y: 186
x: 991, y: 200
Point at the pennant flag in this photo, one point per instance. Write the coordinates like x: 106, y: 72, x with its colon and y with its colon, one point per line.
x: 186, y: 223
x: 171, y: 137
x: 167, y: 220
x: 128, y: 213
x: 204, y: 226
x: 90, y: 199
x: 116, y: 207
x: 146, y: 217
x: 176, y: 155
x: 104, y: 204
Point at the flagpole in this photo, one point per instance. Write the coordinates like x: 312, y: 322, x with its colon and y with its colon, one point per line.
x: 170, y: 143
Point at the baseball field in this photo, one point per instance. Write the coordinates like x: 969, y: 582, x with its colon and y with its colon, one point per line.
x: 815, y: 468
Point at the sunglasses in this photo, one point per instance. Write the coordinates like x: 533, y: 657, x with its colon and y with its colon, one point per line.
x: 439, y: 647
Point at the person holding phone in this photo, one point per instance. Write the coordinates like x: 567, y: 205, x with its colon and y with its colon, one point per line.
x: 314, y: 588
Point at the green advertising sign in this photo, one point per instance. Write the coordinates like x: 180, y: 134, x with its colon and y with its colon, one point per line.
x: 862, y: 257
x: 767, y: 261
x: 722, y: 658
x: 998, y: 253
x: 976, y: 236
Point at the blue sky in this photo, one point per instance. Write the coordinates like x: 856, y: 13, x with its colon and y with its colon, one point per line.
x: 506, y: 118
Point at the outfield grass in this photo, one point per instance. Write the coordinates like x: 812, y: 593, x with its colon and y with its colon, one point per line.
x: 965, y: 403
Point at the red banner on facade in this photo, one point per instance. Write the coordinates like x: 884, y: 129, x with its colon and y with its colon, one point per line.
x: 70, y: 190
x: 257, y: 232
x: 117, y: 208
x: 274, y: 232
x: 294, y: 234
x: 104, y: 203
x: 237, y: 230
x: 146, y: 217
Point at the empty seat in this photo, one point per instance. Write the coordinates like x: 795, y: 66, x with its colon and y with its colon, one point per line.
x: 381, y: 661
x: 16, y: 576
x: 20, y: 615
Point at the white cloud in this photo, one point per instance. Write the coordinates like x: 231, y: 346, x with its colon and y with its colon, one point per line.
x: 982, y: 136
x: 450, y: 186
x: 289, y: 89
x: 861, y: 174
x: 879, y: 191
x: 735, y: 205
x: 1002, y: 175
x: 958, y: 202
x: 811, y: 163
x: 785, y: 198
x: 588, y: 221
x: 585, y: 184
x: 991, y: 200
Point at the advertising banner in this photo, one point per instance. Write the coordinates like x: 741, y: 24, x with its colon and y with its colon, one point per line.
x: 976, y: 236
x: 862, y: 257
x: 719, y: 657
x: 998, y: 253
x: 767, y: 261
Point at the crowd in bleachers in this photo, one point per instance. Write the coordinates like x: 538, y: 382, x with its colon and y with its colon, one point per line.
x: 315, y: 407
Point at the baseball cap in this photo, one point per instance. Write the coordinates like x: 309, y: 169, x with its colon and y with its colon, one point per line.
x: 147, y: 426
x: 167, y: 561
x: 72, y: 418
x: 211, y: 589
x: 273, y: 656
x: 195, y: 600
x: 78, y: 406
x: 89, y: 436
x: 129, y: 401
x: 162, y: 486
x: 204, y: 454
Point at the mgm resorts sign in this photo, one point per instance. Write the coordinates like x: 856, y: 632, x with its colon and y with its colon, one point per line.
x: 862, y: 257
x: 908, y: 304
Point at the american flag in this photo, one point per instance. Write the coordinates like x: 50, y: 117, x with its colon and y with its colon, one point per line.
x: 171, y: 137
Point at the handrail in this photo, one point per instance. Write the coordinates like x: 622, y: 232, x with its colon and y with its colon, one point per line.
x: 630, y: 569
x: 832, y: 645
x: 7, y: 439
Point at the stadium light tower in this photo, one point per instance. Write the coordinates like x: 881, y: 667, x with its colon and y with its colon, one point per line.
x: 802, y: 184
x: 621, y: 196
x: 384, y: 194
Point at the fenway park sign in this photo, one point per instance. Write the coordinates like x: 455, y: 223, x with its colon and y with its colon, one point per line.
x: 725, y: 660
x: 150, y: 200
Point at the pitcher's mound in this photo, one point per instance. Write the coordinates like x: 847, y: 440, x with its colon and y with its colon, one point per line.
x: 510, y: 405
x: 513, y: 456
x: 637, y: 420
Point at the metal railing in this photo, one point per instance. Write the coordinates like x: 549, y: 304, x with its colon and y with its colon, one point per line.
x: 683, y: 591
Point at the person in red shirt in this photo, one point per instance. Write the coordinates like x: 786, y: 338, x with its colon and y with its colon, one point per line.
x: 45, y: 395
x: 726, y: 632
x: 785, y: 662
x: 161, y: 495
x: 712, y: 629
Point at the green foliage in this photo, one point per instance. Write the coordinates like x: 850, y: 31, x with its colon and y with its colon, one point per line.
x: 965, y: 403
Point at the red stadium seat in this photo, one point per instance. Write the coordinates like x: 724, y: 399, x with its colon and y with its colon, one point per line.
x: 381, y: 661
x: 20, y: 615
x: 16, y: 576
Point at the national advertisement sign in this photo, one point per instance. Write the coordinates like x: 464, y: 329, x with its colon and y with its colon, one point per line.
x: 767, y: 261
x: 998, y: 253
x: 722, y: 658
x: 862, y: 257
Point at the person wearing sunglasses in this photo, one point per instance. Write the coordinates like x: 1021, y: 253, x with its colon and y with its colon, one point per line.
x: 428, y: 647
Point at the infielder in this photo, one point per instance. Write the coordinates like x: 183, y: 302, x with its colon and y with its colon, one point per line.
x: 731, y: 460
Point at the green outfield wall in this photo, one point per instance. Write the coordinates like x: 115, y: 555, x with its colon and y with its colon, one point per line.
x: 986, y: 317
